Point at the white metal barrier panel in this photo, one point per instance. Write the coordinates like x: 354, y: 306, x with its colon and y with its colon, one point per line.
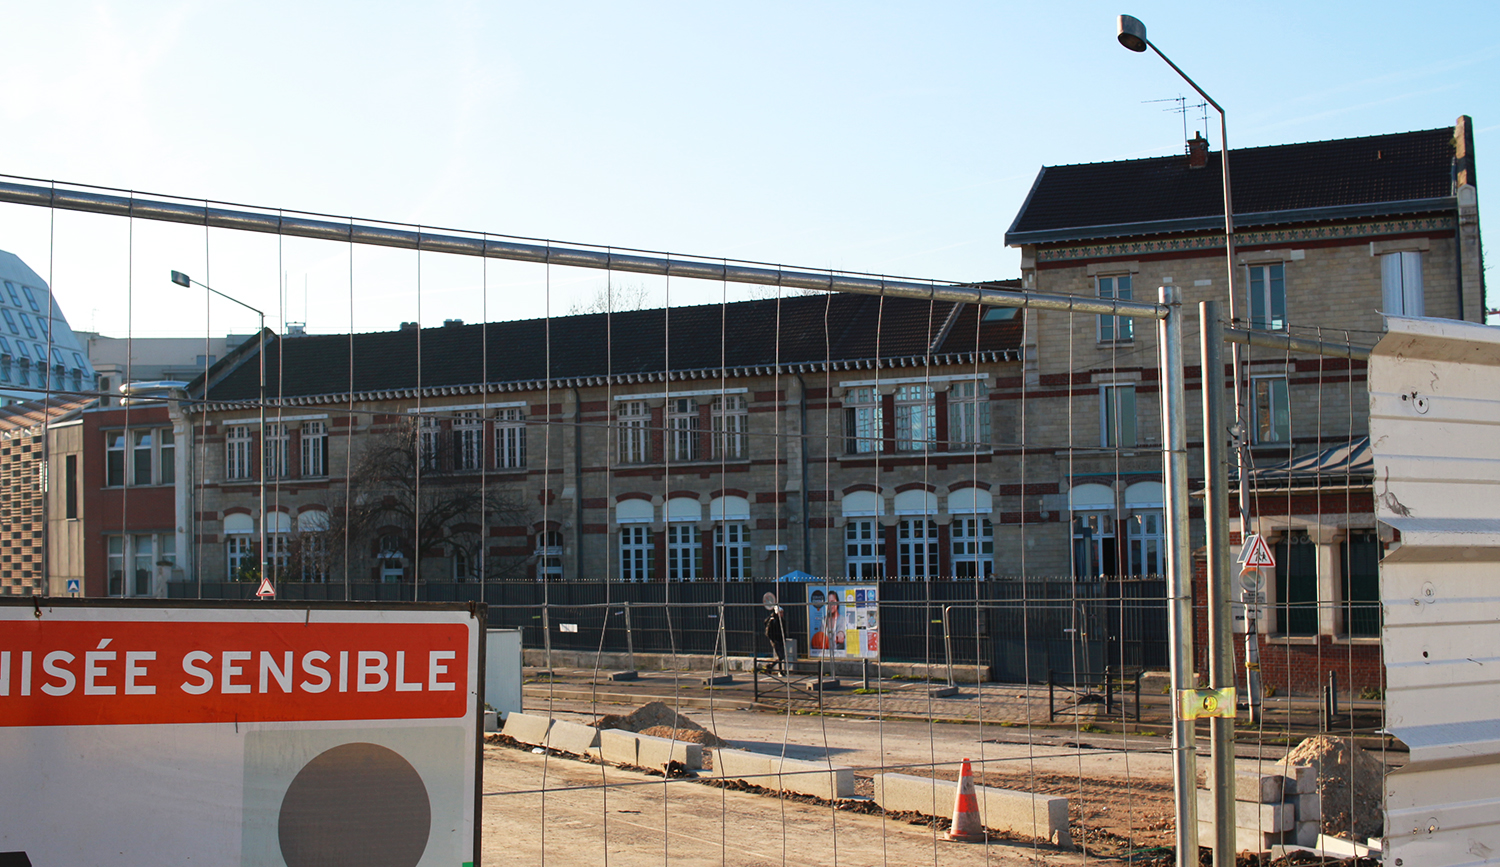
x: 1434, y: 418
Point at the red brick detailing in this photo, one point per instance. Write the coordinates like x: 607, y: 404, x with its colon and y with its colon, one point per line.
x: 970, y: 483
x: 917, y: 486
x: 633, y: 495
x: 729, y: 492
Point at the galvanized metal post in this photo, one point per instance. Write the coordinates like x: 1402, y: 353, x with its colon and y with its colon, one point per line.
x: 948, y: 643
x: 1216, y: 527
x: 629, y: 637
x: 1179, y: 572
x: 547, y: 635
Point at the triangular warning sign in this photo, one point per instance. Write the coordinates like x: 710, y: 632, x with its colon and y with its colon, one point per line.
x: 266, y: 591
x: 1257, y: 554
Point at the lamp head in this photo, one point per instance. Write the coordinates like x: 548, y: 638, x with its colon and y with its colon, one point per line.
x: 181, y: 279
x: 1132, y: 33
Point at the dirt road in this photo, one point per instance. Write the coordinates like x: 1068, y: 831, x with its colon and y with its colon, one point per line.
x: 644, y: 821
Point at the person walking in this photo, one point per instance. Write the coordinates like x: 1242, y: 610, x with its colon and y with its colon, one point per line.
x: 776, y: 634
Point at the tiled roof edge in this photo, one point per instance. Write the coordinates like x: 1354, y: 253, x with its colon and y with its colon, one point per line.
x: 944, y: 359
x: 1198, y: 224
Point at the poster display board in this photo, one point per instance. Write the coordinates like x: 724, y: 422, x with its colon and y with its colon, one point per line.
x: 240, y: 733
x: 843, y: 621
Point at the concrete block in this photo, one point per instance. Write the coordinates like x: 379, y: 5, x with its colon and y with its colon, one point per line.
x: 1255, y: 787
x: 572, y: 737
x: 491, y: 721
x: 625, y: 675
x: 1307, y: 833
x: 1260, y: 817
x: 753, y: 768
x: 1245, y: 839
x: 1025, y: 813
x: 818, y: 779
x: 654, y: 752
x: 619, y: 747
x: 527, y: 728
x: 1301, y: 779
x: 1309, y: 807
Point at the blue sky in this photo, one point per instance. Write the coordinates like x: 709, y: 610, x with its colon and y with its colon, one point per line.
x: 878, y: 137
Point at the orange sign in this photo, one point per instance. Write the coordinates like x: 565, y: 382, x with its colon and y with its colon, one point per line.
x: 112, y: 672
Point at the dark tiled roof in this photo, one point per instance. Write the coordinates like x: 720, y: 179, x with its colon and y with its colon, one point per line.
x: 1125, y: 198
x: 812, y: 329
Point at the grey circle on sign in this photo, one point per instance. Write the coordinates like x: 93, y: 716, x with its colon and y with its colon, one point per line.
x: 1252, y: 580
x: 768, y: 600
x: 356, y: 805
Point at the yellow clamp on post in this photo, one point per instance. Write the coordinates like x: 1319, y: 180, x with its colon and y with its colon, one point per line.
x: 1205, y: 703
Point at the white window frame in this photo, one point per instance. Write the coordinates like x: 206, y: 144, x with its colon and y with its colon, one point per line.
x: 637, y: 553
x: 429, y: 436
x: 549, y: 553
x: 1145, y: 543
x: 510, y: 439
x: 1401, y: 283
x: 239, y: 551
x: 238, y: 450
x: 917, y: 552
x: 728, y: 416
x: 732, y: 540
x: 278, y: 440
x: 1266, y: 285
x: 128, y: 563
x: 1266, y: 386
x: 864, y: 549
x: 916, y: 418
x: 684, y: 552
x: 1102, y: 535
x: 468, y: 441
x: 969, y: 416
x: 972, y: 543
x: 864, y: 422
x: 1119, y: 417
x: 314, y: 447
x: 1114, y: 329
x: 391, y: 561
x: 633, y: 417
x: 682, y: 427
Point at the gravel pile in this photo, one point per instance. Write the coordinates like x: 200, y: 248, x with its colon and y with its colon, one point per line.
x: 1344, y: 768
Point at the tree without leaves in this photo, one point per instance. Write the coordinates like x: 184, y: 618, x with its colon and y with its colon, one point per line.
x: 407, y: 497
x: 613, y: 299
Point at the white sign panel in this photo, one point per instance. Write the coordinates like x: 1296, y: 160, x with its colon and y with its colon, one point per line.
x: 207, y: 733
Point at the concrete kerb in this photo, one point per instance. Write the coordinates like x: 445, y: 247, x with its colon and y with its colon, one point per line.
x: 852, y: 669
x: 790, y: 775
x: 571, y: 737
x: 654, y: 752
x: 1024, y: 813
x: 619, y: 747
x: 527, y: 728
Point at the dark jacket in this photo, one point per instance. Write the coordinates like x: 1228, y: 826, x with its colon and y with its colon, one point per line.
x: 774, y: 630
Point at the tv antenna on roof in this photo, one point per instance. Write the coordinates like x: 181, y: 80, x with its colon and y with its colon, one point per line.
x: 1182, y: 108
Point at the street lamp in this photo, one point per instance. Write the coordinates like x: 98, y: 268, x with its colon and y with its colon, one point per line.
x: 184, y: 280
x: 1131, y: 33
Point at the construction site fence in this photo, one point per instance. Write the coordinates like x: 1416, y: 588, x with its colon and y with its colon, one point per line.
x: 1017, y: 630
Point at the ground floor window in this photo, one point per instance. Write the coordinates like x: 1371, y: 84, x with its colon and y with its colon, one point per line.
x: 241, y: 554
x: 917, y: 548
x: 1360, y: 554
x: 1094, y: 550
x: 133, y: 559
x: 973, y: 547
x: 637, y: 554
x: 732, y: 541
x: 864, y: 550
x: 684, y: 553
x: 549, y: 551
x: 1146, y: 540
x: 1296, y: 585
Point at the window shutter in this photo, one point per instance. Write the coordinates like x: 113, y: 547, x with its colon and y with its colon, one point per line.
x: 1411, y: 283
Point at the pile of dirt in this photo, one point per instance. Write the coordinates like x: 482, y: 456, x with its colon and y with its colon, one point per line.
x: 692, y: 736
x: 660, y: 720
x: 1344, y: 770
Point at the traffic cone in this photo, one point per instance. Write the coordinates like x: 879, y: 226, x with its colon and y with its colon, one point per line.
x: 966, y: 826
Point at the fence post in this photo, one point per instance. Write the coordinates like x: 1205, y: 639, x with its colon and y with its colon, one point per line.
x: 629, y: 638
x: 547, y: 637
x: 1218, y: 580
x: 1109, y: 693
x: 1179, y: 578
x: 1051, y: 697
x: 1138, y: 695
x: 948, y: 643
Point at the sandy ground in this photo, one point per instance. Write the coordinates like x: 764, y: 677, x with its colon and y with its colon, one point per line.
x: 638, y: 820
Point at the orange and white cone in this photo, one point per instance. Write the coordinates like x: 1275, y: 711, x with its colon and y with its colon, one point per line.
x: 966, y: 825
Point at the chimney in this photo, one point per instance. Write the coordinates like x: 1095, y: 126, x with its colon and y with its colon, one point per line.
x: 452, y: 323
x: 1197, y: 151
x: 408, y: 326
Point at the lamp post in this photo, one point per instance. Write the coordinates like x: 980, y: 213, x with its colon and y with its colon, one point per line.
x: 1131, y: 33
x: 184, y: 280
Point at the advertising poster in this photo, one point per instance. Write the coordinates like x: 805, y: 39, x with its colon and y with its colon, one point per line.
x: 843, y: 622
x: 239, y: 733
